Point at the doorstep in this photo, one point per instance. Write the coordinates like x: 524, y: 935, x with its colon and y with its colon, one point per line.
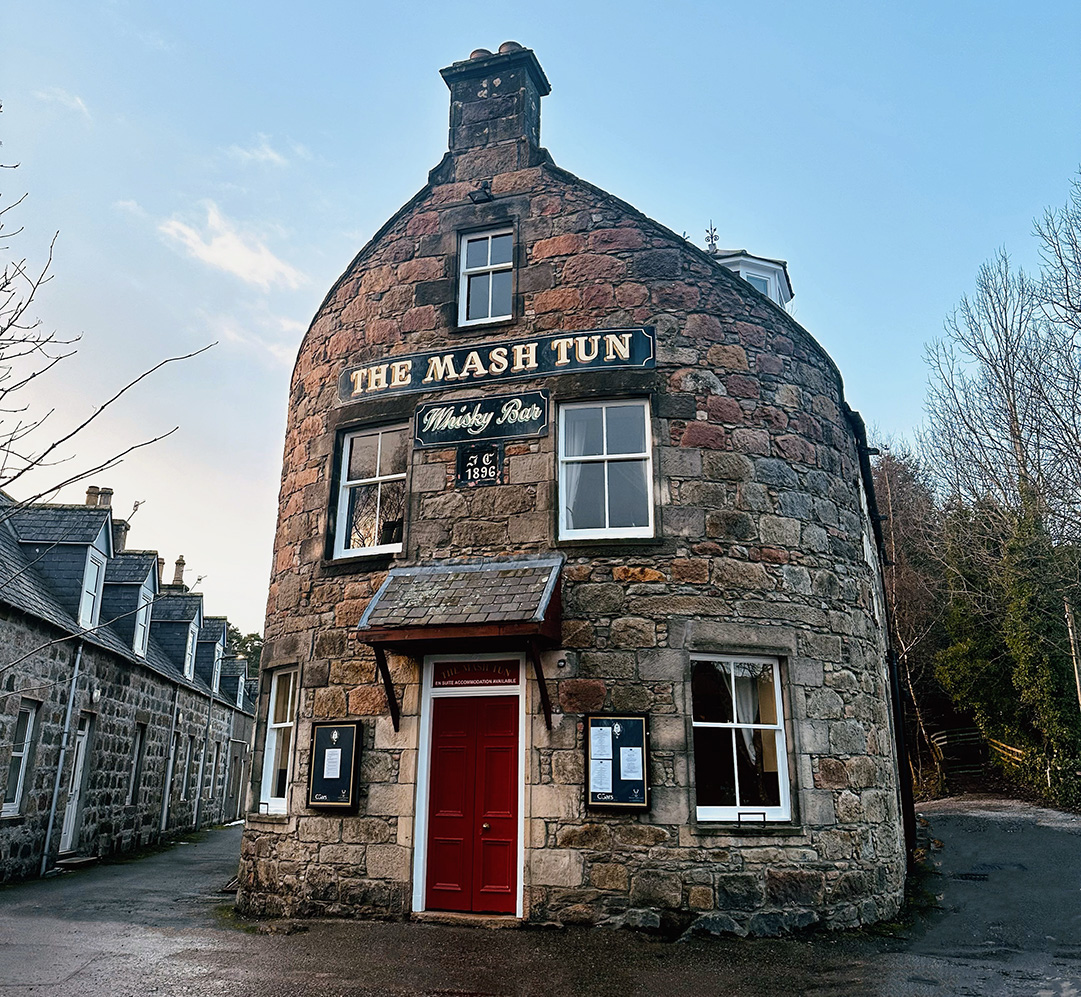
x: 76, y: 861
x: 467, y: 920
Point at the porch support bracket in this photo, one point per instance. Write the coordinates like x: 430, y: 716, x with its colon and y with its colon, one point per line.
x: 388, y: 685
x: 546, y: 702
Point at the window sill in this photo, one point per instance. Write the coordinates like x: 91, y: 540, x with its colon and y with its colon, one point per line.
x: 261, y: 818
x: 499, y: 323
x: 732, y: 829
x: 614, y: 545
x: 358, y: 562
x: 12, y: 818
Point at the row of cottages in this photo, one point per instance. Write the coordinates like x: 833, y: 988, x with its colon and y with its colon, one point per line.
x: 124, y: 718
x: 576, y: 612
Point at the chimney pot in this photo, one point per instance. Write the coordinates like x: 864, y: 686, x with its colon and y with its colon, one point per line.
x: 120, y: 535
x: 178, y: 571
x: 92, y: 495
x: 105, y: 497
x: 479, y: 53
x: 510, y: 47
x: 161, y: 569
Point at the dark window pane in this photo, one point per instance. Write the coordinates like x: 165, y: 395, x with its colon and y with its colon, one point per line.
x: 582, y: 429
x: 626, y: 429
x: 757, y: 761
x: 362, y: 456
x: 501, y: 282
x: 628, y: 494
x: 20, y: 729
x: 360, y: 528
x: 13, y: 778
x: 584, y: 499
x: 392, y: 452
x: 711, y: 692
x: 714, y: 774
x: 477, y: 302
x: 391, y: 503
x: 501, y: 248
x: 476, y: 252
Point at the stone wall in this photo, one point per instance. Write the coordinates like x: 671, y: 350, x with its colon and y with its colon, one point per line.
x: 129, y: 694
x: 762, y: 544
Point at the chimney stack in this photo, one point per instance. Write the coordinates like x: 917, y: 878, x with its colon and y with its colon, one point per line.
x: 105, y: 498
x: 92, y: 495
x: 161, y: 570
x: 178, y: 571
x: 120, y: 535
x: 495, y: 111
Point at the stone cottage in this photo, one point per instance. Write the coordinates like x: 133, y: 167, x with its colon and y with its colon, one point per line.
x: 576, y: 552
x: 124, y: 718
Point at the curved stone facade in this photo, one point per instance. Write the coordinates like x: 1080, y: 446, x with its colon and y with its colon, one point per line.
x: 762, y: 545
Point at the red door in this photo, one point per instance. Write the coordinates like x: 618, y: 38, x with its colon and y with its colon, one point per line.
x: 473, y: 805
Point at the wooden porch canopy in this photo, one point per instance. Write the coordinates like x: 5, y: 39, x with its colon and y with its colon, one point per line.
x: 452, y: 606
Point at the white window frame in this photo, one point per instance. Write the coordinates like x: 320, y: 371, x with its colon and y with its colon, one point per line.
x: 90, y: 599
x: 341, y: 533
x: 141, y: 636
x: 464, y: 273
x: 278, y: 804
x: 22, y: 752
x: 607, y: 532
x: 751, y: 814
x: 189, y: 651
x: 219, y: 653
x: 240, y: 691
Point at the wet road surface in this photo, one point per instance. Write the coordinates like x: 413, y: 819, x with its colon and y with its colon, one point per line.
x: 1001, y: 915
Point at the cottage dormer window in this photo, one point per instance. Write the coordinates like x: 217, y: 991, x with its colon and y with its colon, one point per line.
x: 93, y: 578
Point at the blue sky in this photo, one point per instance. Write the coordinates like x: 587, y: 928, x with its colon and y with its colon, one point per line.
x: 213, y: 167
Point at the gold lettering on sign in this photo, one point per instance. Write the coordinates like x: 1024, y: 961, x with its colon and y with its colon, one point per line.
x: 617, y: 346
x: 400, y: 371
x: 357, y: 379
x: 562, y: 348
x: 497, y: 361
x: 440, y: 368
x: 473, y: 366
x: 525, y: 356
x: 581, y: 353
x: 377, y: 377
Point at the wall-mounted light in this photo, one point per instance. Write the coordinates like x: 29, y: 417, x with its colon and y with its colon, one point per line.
x: 95, y: 696
x: 483, y: 194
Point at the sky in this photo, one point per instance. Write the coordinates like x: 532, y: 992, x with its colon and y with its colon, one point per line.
x: 212, y: 168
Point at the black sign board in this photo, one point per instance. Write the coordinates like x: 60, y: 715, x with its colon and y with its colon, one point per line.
x: 555, y: 353
x: 617, y: 761
x: 480, y: 465
x: 496, y: 417
x: 335, y: 766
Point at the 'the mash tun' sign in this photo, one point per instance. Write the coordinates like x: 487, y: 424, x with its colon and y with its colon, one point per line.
x: 558, y: 353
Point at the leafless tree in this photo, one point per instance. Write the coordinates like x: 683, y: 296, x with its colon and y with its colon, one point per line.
x: 31, y: 441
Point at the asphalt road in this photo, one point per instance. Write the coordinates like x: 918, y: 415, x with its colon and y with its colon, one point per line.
x: 1000, y: 915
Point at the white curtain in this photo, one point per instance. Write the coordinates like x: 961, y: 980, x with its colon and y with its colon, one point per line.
x: 574, y: 440
x: 746, y: 699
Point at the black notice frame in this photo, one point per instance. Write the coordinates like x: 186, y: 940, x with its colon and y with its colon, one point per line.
x: 333, y: 778
x: 617, y: 761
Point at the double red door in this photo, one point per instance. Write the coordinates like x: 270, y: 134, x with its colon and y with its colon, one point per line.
x: 473, y: 805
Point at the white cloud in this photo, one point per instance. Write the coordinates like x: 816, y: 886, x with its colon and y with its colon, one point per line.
x: 231, y: 330
x: 262, y: 152
x: 131, y: 208
x: 225, y: 246
x: 57, y: 95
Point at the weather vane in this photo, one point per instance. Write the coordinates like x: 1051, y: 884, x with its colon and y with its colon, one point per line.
x: 711, y: 239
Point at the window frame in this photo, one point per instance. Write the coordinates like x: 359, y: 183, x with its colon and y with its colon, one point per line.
x: 140, y: 641
x: 13, y: 807
x: 565, y: 532
x: 346, y: 484
x: 465, y: 272
x: 190, y: 650
x: 90, y: 614
x: 739, y: 813
x: 278, y: 804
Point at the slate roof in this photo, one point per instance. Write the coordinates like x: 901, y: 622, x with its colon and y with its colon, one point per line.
x: 177, y: 608
x: 131, y: 567
x: 78, y: 524
x: 213, y: 628
x: 441, y: 594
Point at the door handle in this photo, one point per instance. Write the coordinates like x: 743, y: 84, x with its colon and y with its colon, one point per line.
x: 486, y: 826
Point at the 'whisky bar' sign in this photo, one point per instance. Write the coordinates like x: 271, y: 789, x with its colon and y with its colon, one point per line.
x: 556, y: 353
x: 493, y: 417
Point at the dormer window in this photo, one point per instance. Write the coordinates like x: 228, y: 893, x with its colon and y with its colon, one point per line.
x: 142, y: 623
x: 189, y: 653
x: 240, y: 692
x: 768, y: 277
x: 93, y: 578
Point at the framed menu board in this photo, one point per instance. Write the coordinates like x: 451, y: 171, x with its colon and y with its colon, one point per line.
x: 335, y: 766
x: 617, y: 761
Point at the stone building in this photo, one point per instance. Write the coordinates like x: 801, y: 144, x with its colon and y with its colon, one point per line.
x: 554, y: 478
x: 124, y: 718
